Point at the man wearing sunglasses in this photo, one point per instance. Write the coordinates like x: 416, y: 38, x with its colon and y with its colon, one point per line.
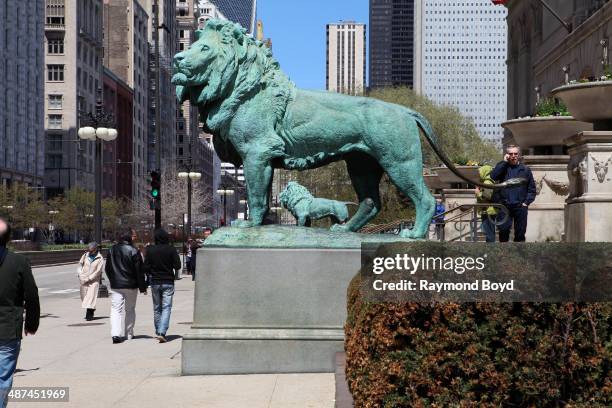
x: 518, y: 198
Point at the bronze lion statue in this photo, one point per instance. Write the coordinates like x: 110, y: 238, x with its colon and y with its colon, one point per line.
x: 260, y: 120
x: 305, y: 207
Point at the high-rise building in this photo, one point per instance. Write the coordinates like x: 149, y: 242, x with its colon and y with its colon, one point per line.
x: 242, y: 12
x: 118, y: 158
x: 194, y: 152
x: 73, y: 58
x: 461, y: 59
x: 346, y: 63
x: 22, y: 97
x: 391, y: 43
x: 126, y: 54
x: 166, y: 28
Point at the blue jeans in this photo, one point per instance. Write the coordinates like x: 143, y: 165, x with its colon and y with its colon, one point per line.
x: 162, y: 306
x: 9, y: 351
x: 488, y: 227
x: 518, y: 215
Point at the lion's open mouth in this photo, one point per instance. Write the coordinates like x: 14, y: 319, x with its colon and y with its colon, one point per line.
x: 188, y: 85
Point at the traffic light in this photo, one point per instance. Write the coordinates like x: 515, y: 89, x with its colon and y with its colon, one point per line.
x: 155, y: 185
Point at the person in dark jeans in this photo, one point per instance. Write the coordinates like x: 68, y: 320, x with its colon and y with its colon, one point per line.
x: 18, y: 294
x: 518, y: 198
x: 161, y: 264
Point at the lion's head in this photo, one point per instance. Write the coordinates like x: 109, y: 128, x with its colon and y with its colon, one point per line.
x: 223, y: 67
x: 292, y: 194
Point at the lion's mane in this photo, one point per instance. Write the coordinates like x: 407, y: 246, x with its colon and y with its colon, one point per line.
x: 252, y: 69
x: 293, y: 194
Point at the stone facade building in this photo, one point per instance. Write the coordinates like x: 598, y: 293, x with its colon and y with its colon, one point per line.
x: 73, y: 59
x: 117, y: 177
x: 539, y: 47
x: 126, y: 26
x: 22, y: 96
x: 346, y: 57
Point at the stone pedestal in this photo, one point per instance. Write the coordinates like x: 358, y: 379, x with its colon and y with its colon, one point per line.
x: 546, y: 213
x: 267, y: 310
x: 588, y: 216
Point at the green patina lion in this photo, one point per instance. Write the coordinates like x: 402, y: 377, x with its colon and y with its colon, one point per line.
x: 305, y: 207
x: 260, y: 120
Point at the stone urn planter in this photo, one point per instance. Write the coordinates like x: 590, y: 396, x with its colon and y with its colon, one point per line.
x: 588, y: 102
x: 448, y: 177
x: 544, y: 130
x: 433, y: 181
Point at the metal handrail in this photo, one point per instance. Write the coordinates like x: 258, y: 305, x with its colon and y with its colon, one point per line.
x: 458, y: 219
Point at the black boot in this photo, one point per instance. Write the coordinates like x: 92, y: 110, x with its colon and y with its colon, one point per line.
x: 89, y: 315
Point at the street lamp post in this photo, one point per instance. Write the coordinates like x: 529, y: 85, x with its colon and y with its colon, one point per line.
x: 98, y: 127
x: 190, y: 176
x: 225, y: 192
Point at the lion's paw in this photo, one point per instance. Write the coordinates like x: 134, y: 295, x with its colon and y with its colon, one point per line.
x: 242, y: 223
x: 411, y: 234
x: 339, y: 228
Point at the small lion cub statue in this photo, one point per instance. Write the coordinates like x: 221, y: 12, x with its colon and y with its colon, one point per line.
x: 304, y: 207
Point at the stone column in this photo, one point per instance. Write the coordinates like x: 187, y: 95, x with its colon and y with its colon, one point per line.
x: 546, y: 213
x: 588, y: 215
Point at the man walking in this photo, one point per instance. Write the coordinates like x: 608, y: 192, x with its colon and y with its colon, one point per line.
x: 124, y: 271
x: 161, y: 264
x: 518, y: 198
x: 18, y: 294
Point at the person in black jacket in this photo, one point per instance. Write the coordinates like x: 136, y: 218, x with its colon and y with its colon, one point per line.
x: 517, y: 199
x: 161, y: 264
x: 126, y: 277
x: 18, y: 293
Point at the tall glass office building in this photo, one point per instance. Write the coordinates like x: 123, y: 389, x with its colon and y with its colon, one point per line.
x: 460, y: 54
x: 238, y: 11
x: 391, y: 43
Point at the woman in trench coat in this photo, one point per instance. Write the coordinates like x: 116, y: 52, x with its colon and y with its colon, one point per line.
x: 91, y: 266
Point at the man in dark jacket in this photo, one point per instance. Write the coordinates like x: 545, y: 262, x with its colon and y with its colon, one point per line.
x: 517, y: 199
x: 124, y: 271
x: 161, y: 264
x: 18, y: 293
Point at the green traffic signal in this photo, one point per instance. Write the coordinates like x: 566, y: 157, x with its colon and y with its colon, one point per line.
x: 155, y: 193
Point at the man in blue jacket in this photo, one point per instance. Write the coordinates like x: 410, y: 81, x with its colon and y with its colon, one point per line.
x: 517, y: 199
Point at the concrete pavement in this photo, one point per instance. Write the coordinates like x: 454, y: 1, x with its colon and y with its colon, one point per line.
x: 69, y: 352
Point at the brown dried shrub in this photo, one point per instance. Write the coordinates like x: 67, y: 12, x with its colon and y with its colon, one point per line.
x: 477, y: 354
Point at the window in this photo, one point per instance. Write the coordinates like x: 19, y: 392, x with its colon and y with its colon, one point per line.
x: 55, y: 142
x: 55, y: 72
x: 55, y: 101
x: 54, y: 161
x: 55, y: 121
x: 55, y: 46
x: 181, y: 33
x: 55, y: 13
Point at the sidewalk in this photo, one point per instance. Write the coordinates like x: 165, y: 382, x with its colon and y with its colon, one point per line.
x: 70, y: 352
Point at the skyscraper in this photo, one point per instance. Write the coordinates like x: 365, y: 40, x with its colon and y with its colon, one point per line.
x: 242, y: 12
x: 391, y: 43
x: 22, y: 97
x: 346, y: 63
x: 126, y: 54
x: 73, y: 34
x: 461, y: 59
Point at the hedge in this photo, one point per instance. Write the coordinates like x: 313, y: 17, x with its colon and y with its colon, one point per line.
x: 477, y: 354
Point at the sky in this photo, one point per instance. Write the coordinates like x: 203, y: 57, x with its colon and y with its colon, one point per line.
x: 297, y: 30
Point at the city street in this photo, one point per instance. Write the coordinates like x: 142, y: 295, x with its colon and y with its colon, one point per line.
x: 69, y: 352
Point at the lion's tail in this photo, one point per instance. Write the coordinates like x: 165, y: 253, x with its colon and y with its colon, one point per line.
x: 433, y: 142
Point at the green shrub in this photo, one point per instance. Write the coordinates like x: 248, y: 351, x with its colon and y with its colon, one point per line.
x: 551, y: 107
x: 477, y: 354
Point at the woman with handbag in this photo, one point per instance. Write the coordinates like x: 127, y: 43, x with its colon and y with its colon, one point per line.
x: 91, y: 266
